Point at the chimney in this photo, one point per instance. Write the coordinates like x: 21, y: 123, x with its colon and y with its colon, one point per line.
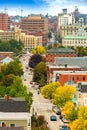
x: 7, y: 97
x: 65, y: 65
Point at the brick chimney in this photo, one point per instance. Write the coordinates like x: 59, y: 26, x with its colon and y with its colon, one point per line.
x: 7, y: 97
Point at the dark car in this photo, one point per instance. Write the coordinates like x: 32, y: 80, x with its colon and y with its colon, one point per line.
x: 61, y: 116
x: 56, y: 110
x: 64, y: 120
x: 53, y: 118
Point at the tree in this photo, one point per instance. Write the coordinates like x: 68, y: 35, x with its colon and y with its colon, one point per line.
x: 14, y: 68
x: 29, y: 100
x: 49, y: 89
x: 81, y: 122
x: 62, y: 95
x: 17, y: 89
x: 40, y: 74
x: 39, y: 50
x: 34, y: 60
x: 70, y: 107
x: 8, y: 80
x: 11, y: 45
x: 49, y: 35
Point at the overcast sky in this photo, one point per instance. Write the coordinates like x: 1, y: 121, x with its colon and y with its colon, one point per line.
x: 52, y: 7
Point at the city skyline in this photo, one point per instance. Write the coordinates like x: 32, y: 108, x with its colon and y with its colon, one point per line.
x: 52, y: 7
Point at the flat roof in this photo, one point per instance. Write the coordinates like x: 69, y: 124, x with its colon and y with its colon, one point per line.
x: 62, y: 66
x: 74, y: 37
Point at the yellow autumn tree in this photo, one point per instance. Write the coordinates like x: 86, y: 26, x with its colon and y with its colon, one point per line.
x: 39, y: 50
x: 77, y: 125
x: 62, y: 95
x: 82, y: 113
x: 81, y: 122
x: 68, y: 111
x: 48, y: 90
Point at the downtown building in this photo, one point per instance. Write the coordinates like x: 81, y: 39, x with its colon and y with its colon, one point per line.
x: 4, y: 21
x: 79, y: 38
x: 36, y: 25
x: 30, y: 41
x: 65, y: 18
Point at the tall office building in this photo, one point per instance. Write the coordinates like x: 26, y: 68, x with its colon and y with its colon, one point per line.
x: 65, y: 18
x: 36, y: 25
x: 4, y: 21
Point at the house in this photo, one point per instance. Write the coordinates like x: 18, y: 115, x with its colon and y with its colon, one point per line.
x: 6, y: 60
x: 13, y: 114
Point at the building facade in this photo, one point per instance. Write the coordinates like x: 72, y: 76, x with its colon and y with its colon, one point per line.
x: 59, y: 52
x: 55, y: 72
x: 78, y: 39
x: 65, y: 18
x: 4, y: 21
x: 35, y: 24
x: 29, y: 41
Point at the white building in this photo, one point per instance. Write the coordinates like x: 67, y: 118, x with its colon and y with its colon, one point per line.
x: 65, y: 18
x: 79, y: 39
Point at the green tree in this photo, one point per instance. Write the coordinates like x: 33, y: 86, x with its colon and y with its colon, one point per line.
x: 2, y: 91
x: 17, y: 89
x: 8, y: 80
x: 49, y: 35
x: 29, y: 100
x: 81, y: 51
x: 4, y: 46
x: 40, y: 73
x: 14, y: 68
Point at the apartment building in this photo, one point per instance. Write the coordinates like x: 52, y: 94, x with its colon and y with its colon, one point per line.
x: 36, y: 25
x: 4, y: 21
x: 65, y: 18
x: 29, y: 41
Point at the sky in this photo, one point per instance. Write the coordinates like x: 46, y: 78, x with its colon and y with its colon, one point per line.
x: 52, y: 7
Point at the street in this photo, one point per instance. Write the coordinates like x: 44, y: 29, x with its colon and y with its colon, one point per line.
x: 40, y: 106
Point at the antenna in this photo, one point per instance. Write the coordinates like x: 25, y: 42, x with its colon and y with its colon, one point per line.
x: 5, y: 10
x: 21, y: 13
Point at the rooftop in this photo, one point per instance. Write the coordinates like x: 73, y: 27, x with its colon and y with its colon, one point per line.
x: 9, y: 104
x: 74, y: 37
x: 61, y: 50
x: 75, y: 61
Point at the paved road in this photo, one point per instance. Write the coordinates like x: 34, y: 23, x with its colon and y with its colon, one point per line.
x: 40, y: 105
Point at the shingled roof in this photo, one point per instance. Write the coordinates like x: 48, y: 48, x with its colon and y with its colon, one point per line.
x: 13, y: 105
x: 11, y: 128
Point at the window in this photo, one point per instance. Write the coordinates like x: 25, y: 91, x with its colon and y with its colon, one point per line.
x: 12, y: 125
x: 83, y: 78
x: 77, y: 78
x: 73, y: 78
x: 3, y: 124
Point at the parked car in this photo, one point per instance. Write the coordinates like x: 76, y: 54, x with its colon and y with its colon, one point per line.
x: 64, y: 120
x: 63, y: 127
x: 61, y: 116
x: 53, y: 118
x: 56, y: 110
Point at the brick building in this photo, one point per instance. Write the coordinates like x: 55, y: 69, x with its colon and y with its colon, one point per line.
x: 60, y: 52
x: 4, y: 21
x: 57, y: 73
x: 6, y: 54
x: 35, y: 24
